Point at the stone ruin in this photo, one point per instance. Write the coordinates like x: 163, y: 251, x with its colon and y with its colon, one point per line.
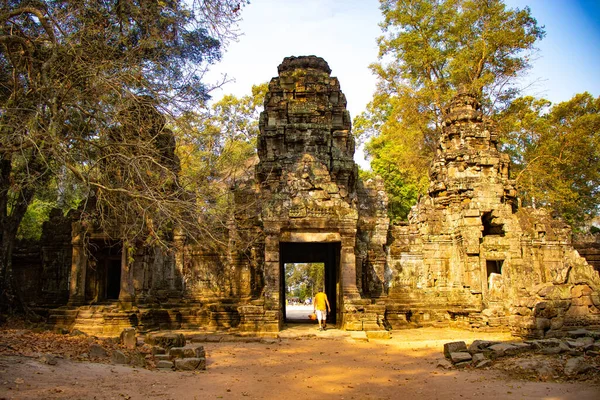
x: 468, y: 256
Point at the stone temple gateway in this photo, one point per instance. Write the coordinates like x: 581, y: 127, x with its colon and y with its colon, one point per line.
x: 468, y: 256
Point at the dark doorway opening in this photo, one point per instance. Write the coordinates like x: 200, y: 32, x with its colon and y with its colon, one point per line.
x: 103, y: 276
x: 493, y: 267
x: 494, y: 272
x: 113, y: 279
x: 491, y: 225
x: 327, y: 254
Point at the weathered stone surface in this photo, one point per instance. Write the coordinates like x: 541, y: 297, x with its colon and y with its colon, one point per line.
x: 480, y: 345
x: 502, y: 349
x: 379, y: 335
x: 199, y: 351
x: 580, y: 342
x: 97, y: 351
x: 190, y: 364
x: 459, y: 357
x: 118, y: 357
x: 128, y: 338
x: 454, y: 347
x: 576, y: 366
x: 445, y: 364
x: 166, y: 340
x: 578, y: 333
x: 164, y: 364
x: 483, y: 364
x: 478, y: 357
x: 182, y: 352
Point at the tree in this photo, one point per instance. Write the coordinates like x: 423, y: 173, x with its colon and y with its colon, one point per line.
x: 217, y: 143
x: 217, y: 149
x: 430, y: 50
x: 555, y: 152
x: 84, y: 90
x: 305, y: 279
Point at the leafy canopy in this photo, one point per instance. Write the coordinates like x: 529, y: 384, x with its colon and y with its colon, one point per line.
x: 85, y: 91
x: 555, y: 151
x: 429, y: 51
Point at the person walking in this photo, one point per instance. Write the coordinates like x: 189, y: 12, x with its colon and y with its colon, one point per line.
x: 321, y: 308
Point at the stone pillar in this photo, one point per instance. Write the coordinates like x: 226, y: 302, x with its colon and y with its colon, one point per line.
x: 126, y: 293
x: 179, y: 240
x: 348, y: 266
x: 78, y: 266
x: 272, y: 278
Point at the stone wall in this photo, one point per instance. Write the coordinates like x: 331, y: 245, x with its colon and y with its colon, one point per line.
x: 589, y: 248
x: 42, y: 268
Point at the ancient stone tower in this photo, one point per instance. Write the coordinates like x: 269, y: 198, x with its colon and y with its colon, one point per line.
x: 470, y: 256
x: 307, y: 177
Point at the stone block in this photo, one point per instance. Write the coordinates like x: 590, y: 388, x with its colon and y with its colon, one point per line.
x: 575, y: 366
x: 97, y: 351
x: 164, y: 364
x: 454, y: 347
x: 581, y: 291
x: 199, y: 351
x: 359, y: 336
x: 501, y: 349
x: 118, y: 357
x: 166, y: 340
x: 478, y: 357
x: 578, y: 333
x: 459, y: 357
x: 182, y: 352
x: 128, y: 338
x: 483, y: 364
x: 381, y: 334
x: 556, y: 323
x: 480, y: 345
x: 187, y: 364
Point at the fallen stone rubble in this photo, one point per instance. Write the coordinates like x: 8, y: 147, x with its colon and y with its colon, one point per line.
x: 576, y: 354
x: 171, y: 352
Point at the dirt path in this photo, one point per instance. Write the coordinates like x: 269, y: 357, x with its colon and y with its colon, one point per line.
x: 291, y: 369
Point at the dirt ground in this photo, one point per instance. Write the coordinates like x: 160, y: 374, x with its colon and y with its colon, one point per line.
x: 334, y: 367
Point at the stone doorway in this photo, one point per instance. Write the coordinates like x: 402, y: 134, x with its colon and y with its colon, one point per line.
x: 103, y: 277
x: 312, y: 252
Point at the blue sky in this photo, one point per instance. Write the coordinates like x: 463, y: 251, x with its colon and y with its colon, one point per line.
x: 344, y: 33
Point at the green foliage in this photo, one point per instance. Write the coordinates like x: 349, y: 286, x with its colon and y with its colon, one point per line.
x: 555, y: 150
x: 84, y: 94
x: 215, y: 147
x: 304, y: 280
x: 430, y: 50
x: 403, y: 181
x: 31, y: 224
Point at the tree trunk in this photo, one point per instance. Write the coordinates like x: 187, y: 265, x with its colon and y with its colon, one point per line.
x: 10, y: 219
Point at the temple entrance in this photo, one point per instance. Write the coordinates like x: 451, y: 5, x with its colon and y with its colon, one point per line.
x: 310, y: 255
x: 103, y: 277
